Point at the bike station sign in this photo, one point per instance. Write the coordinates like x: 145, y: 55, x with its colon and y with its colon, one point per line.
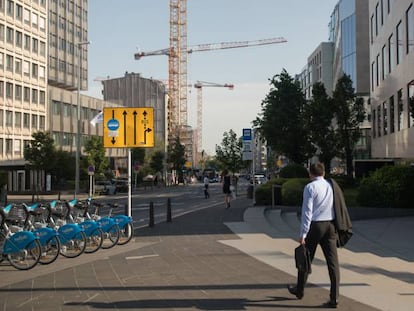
x: 128, y: 127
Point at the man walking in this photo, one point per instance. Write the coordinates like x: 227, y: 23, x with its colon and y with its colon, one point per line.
x: 317, y: 227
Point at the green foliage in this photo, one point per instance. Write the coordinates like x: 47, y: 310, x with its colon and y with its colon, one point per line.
x: 41, y: 152
x: 389, y: 186
x: 294, y: 171
x: 65, y: 167
x: 292, y: 191
x: 263, y: 194
x: 176, y: 155
x: 157, y: 160
x: 319, y: 113
x: 349, y: 113
x: 281, y: 121
x: 95, y: 155
x: 229, y: 154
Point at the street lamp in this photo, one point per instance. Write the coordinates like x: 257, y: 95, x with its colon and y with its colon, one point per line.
x: 78, y: 136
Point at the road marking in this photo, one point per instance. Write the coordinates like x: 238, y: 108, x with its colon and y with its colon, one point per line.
x: 141, y: 257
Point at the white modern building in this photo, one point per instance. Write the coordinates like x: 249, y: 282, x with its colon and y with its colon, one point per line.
x: 392, y: 78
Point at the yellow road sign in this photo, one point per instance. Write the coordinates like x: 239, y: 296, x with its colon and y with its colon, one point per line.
x: 128, y: 127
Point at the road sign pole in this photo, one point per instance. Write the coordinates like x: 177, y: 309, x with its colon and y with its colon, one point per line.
x: 129, y: 182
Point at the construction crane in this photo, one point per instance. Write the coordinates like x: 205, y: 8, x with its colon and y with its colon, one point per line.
x: 178, y: 75
x: 199, y: 86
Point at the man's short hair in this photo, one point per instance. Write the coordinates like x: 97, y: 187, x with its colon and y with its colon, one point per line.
x: 317, y: 169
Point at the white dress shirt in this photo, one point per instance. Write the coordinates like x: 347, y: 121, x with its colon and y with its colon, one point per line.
x: 317, y: 204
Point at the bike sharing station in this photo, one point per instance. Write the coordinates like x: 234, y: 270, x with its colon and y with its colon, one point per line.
x: 128, y: 128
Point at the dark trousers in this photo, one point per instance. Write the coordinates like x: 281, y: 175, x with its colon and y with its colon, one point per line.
x: 323, y: 233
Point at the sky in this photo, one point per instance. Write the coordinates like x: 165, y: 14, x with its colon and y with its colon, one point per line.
x: 120, y: 28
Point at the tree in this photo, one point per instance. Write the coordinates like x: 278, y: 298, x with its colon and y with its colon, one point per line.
x: 176, y: 155
x: 64, y: 168
x: 157, y: 161
x: 318, y: 120
x: 41, y: 153
x: 95, y: 155
x: 281, y: 123
x: 349, y: 113
x: 229, y: 154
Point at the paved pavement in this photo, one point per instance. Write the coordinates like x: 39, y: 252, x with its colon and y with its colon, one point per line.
x: 221, y: 259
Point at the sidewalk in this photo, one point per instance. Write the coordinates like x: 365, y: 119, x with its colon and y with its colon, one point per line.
x: 239, y: 258
x: 377, y: 266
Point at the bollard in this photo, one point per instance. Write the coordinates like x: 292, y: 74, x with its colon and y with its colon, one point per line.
x: 169, y: 210
x: 59, y: 195
x: 151, y: 214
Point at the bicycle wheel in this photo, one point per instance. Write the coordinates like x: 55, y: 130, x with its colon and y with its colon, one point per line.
x: 126, y: 233
x: 94, y: 241
x: 74, y: 247
x: 111, y: 237
x: 27, y: 257
x: 50, y: 251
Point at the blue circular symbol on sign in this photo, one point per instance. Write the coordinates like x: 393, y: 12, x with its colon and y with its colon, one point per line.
x: 113, y: 124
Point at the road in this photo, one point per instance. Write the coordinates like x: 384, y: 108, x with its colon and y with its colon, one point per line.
x: 183, y: 198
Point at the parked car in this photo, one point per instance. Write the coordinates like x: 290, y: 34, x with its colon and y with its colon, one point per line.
x: 105, y: 187
x: 121, y: 185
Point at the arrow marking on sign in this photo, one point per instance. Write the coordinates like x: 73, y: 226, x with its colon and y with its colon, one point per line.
x: 125, y: 127
x: 135, y: 127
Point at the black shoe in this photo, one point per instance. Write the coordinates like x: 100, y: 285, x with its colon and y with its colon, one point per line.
x: 333, y: 304
x: 294, y: 291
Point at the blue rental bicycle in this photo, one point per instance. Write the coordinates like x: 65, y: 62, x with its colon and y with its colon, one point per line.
x: 21, y: 248
x: 92, y: 229
x: 108, y: 225
x: 36, y: 221
x: 71, y: 236
x: 125, y: 224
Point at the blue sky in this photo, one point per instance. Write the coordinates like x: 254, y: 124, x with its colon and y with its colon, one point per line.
x: 119, y: 28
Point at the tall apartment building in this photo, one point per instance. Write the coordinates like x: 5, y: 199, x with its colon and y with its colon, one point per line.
x: 392, y: 78
x: 23, y: 81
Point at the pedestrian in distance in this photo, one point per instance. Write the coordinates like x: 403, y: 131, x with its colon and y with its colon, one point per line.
x: 226, y: 183
x: 318, y: 228
x: 206, y: 181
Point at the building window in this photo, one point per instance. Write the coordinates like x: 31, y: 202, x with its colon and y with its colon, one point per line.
x: 409, y: 23
x: 18, y: 119
x: 19, y: 12
x: 374, y: 123
x: 384, y: 118
x: 399, y: 45
x: 9, y: 146
x: 379, y: 120
x: 372, y: 28
x: 1, y: 89
x: 1, y: 117
x: 9, y: 90
x: 9, y: 118
x: 391, y: 57
x: 34, y: 96
x: 384, y: 61
x: 18, y: 92
x: 19, y: 39
x: 10, y: 8
x: 400, y: 109
x: 26, y: 16
x: 17, y: 147
x: 42, y: 122
x: 26, y: 120
x: 34, y: 122
x: 35, y: 45
x: 56, y: 107
x: 376, y: 19
x: 9, y: 63
x: 26, y: 94
x: 42, y: 48
x: 410, y: 101
x: 34, y: 70
x: 42, y: 98
x: 27, y: 42
x: 26, y: 68
x: 9, y: 35
x: 18, y: 66
x: 377, y: 69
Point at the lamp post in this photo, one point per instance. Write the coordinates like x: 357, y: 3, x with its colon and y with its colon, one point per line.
x: 78, y: 136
